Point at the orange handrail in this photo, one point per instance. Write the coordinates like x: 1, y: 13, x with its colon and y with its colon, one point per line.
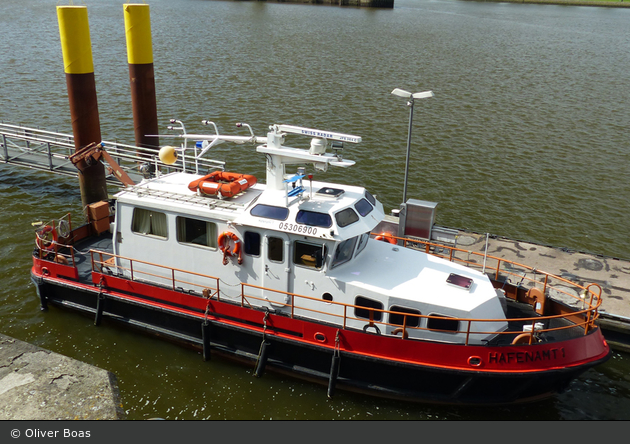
x: 589, y: 310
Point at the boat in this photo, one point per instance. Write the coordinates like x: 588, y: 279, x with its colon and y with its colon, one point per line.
x: 308, y: 278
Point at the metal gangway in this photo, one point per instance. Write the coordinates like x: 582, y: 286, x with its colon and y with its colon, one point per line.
x: 51, y: 151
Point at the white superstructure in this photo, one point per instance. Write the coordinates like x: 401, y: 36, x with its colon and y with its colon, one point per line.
x: 300, y: 236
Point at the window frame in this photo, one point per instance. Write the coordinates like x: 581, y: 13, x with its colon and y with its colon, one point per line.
x: 270, y: 207
x: 378, y: 315
x: 300, y: 263
x: 247, y: 243
x: 134, y: 225
x: 431, y: 320
x: 399, y: 310
x: 348, y: 210
x: 335, y: 262
x: 213, y: 232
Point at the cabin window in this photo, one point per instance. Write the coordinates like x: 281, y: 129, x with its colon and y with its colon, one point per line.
x: 275, y: 249
x: 398, y: 318
x: 149, y: 222
x: 441, y: 322
x: 363, y: 207
x: 309, y: 254
x: 362, y: 243
x: 251, y: 242
x: 314, y: 219
x: 198, y: 232
x: 363, y: 306
x: 270, y: 212
x: 343, y: 253
x: 369, y: 197
x: 346, y: 217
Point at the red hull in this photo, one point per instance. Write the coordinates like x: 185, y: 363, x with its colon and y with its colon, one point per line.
x: 481, y: 362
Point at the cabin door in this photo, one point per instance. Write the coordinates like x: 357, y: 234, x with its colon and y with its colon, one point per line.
x: 276, y: 268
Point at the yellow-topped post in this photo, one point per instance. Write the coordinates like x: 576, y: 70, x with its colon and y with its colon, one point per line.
x: 76, y: 47
x: 141, y: 74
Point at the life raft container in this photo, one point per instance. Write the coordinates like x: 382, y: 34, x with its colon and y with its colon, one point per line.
x: 224, y: 245
x: 222, y: 184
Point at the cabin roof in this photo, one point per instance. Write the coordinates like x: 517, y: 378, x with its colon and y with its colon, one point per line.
x: 170, y: 193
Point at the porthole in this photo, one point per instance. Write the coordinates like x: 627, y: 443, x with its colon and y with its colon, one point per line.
x: 474, y: 361
x: 320, y: 337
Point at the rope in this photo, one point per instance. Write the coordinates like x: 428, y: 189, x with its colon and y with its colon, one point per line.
x: 205, y: 317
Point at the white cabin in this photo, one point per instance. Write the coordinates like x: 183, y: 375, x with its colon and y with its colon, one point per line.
x: 302, y: 237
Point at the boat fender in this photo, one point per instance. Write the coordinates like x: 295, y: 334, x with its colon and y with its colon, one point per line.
x: 334, y: 373
x: 42, y: 242
x: 386, y: 237
x: 224, y: 246
x: 262, y: 358
x: 375, y: 327
x: 61, y: 260
x: 205, y: 339
x: 405, y: 335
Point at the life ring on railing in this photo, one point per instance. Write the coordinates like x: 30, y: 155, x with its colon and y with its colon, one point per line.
x: 376, y: 329
x: 224, y: 245
x: 523, y: 338
x: 405, y: 335
x: 386, y: 237
x: 42, y: 242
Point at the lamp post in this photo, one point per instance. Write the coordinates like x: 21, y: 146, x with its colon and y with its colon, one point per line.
x: 410, y: 99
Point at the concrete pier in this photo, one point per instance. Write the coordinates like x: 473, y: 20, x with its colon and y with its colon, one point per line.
x: 37, y: 384
x: 610, y: 273
x: 582, y: 268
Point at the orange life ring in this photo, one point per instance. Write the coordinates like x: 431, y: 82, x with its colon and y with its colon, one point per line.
x: 222, y: 183
x: 386, y: 237
x: 223, y: 242
x: 42, y: 242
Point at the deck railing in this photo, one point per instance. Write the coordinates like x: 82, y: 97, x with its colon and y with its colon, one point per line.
x: 582, y: 316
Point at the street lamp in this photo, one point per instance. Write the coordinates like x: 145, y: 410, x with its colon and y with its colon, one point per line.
x: 410, y: 99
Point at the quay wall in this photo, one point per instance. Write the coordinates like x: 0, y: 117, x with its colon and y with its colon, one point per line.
x: 37, y: 384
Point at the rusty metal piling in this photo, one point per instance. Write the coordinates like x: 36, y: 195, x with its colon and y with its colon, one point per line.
x: 76, y: 47
x: 141, y: 74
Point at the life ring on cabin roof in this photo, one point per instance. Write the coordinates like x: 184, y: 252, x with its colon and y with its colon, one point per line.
x: 386, y: 237
x: 222, y: 183
x: 224, y: 244
x: 42, y: 242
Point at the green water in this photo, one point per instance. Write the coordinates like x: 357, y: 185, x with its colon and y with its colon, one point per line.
x: 526, y: 138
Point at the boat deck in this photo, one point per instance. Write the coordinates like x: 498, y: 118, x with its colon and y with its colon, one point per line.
x: 515, y: 310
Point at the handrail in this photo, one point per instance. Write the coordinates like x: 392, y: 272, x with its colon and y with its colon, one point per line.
x: 497, y: 269
x: 589, y: 311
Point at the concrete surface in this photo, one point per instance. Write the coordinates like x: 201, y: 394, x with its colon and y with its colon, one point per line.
x: 37, y: 384
x: 612, y: 274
